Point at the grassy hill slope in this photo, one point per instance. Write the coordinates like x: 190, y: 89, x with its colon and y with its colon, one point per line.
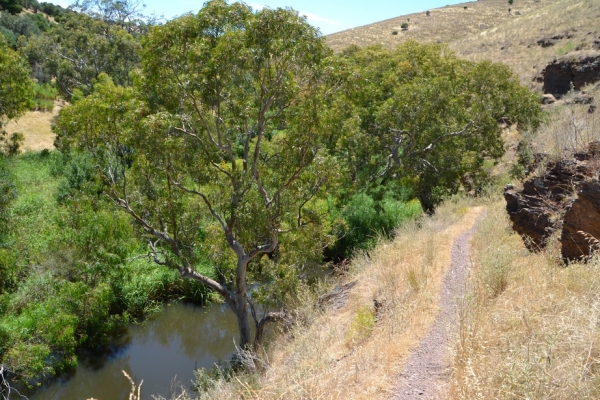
x: 441, y: 25
x: 486, y: 30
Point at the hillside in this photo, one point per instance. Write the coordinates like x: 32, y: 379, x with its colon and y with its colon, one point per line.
x: 444, y: 24
x: 486, y: 30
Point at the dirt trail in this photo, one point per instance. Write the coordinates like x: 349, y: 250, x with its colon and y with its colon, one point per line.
x: 427, y: 370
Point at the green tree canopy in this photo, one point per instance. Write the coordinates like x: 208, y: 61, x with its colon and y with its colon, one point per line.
x: 12, y: 6
x: 218, y: 150
x: 81, y: 48
x: 420, y: 115
x: 16, y: 87
x: 127, y: 14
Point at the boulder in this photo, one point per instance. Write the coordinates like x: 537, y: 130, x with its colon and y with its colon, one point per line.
x: 574, y: 70
x: 562, y: 196
x: 548, y: 99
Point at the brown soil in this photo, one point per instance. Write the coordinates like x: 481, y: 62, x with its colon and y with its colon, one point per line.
x: 427, y: 370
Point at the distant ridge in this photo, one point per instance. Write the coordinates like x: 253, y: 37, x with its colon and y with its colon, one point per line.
x: 444, y: 24
x: 529, y: 37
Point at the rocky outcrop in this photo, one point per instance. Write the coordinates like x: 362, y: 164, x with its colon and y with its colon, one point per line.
x: 560, y: 196
x: 581, y: 224
x: 574, y: 70
x: 549, y: 41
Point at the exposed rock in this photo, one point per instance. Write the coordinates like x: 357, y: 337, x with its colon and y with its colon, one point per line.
x: 337, y: 297
x: 561, y: 196
x: 572, y: 71
x: 582, y: 98
x: 548, y: 99
x: 583, y: 215
x: 549, y: 41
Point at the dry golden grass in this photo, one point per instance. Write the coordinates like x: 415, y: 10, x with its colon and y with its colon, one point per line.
x: 345, y: 354
x: 36, y: 126
x: 568, y: 128
x: 445, y: 24
x: 530, y: 328
x: 514, y: 41
x: 487, y: 31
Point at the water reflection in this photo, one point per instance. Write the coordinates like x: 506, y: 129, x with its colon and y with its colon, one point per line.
x: 163, y: 352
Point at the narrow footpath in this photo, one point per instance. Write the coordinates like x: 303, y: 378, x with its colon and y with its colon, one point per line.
x: 427, y: 370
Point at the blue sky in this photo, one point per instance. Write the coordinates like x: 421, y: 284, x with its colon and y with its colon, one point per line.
x: 329, y: 15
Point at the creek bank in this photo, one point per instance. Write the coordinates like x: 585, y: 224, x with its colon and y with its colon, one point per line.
x: 163, y: 351
x: 559, y: 196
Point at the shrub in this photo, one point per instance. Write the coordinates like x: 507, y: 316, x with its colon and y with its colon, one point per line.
x: 44, y: 96
x: 404, y: 26
x: 362, y: 325
x: 368, y: 215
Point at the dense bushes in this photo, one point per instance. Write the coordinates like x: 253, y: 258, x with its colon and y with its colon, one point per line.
x: 71, y: 272
x: 13, y: 26
x: 369, y: 215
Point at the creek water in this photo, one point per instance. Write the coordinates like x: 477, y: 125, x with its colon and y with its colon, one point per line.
x: 164, y: 351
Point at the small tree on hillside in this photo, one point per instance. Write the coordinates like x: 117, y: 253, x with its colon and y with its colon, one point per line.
x: 78, y: 50
x: 16, y: 86
x: 404, y: 26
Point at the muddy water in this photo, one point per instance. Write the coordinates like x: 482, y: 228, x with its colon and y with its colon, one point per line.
x: 163, y: 352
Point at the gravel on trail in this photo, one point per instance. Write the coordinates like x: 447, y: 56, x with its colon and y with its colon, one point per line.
x: 427, y: 370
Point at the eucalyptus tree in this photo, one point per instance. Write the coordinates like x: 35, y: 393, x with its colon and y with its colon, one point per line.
x: 16, y: 86
x: 76, y: 51
x: 126, y: 14
x: 218, y: 152
x: 422, y: 117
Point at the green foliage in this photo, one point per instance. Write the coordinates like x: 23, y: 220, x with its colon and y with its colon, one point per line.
x: 16, y: 87
x: 79, y: 170
x: 361, y: 326
x: 368, y: 216
x: 218, y: 149
x: 510, y: 2
x: 12, y: 6
x: 524, y: 158
x: 79, y: 49
x: 7, y: 195
x: 404, y: 26
x: 126, y: 14
x: 568, y: 47
x: 26, y: 25
x: 422, y: 116
x: 44, y: 96
x: 66, y: 275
